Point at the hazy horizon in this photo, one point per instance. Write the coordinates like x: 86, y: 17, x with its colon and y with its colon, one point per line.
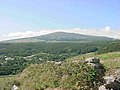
x: 26, y: 18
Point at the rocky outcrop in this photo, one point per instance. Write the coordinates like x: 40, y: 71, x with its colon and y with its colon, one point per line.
x: 95, y: 63
x: 117, y: 75
x: 113, y: 81
x: 109, y: 79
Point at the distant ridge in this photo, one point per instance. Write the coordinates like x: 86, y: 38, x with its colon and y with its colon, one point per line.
x: 59, y: 37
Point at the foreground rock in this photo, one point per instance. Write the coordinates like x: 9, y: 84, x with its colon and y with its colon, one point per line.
x: 95, y: 62
x: 15, y: 87
x: 102, y: 87
x: 113, y: 82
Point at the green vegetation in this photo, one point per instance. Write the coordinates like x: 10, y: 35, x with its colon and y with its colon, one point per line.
x: 51, y: 65
x: 111, y: 47
x: 111, y: 61
x: 27, y: 49
x: 12, y: 67
x: 14, y: 57
x: 67, y: 75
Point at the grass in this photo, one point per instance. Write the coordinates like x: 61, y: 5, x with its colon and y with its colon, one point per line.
x: 106, y: 56
x: 68, y: 75
x: 111, y: 61
x: 31, y: 76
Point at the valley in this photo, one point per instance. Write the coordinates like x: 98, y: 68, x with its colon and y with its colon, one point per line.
x: 51, y: 65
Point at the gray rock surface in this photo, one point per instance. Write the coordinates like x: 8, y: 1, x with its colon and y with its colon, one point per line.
x: 15, y: 87
x: 109, y: 79
x: 117, y: 75
x: 92, y: 60
x: 102, y: 87
x: 112, y: 81
x: 95, y: 63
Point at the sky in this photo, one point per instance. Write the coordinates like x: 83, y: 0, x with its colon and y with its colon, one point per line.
x: 27, y: 18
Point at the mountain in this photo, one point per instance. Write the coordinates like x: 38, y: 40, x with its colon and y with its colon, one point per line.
x: 61, y: 37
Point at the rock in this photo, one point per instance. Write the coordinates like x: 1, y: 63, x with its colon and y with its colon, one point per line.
x: 109, y: 79
x: 113, y: 81
x: 95, y: 63
x: 114, y: 85
x: 58, y: 62
x: 15, y: 87
x: 117, y: 75
x: 92, y: 60
x: 102, y: 87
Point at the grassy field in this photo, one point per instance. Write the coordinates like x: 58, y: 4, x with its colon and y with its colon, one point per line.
x: 30, y: 76
x: 111, y: 61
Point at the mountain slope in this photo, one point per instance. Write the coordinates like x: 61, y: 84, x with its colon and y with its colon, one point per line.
x: 61, y: 36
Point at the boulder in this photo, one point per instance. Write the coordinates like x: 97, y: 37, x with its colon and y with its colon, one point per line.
x: 92, y: 60
x: 109, y: 79
x: 95, y: 63
x: 15, y: 87
x: 113, y: 85
x: 113, y: 81
x: 102, y: 87
x: 117, y: 75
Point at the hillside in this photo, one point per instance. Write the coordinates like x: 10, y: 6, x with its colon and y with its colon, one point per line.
x: 50, y: 75
x: 110, y: 60
x: 61, y: 37
x: 14, y: 57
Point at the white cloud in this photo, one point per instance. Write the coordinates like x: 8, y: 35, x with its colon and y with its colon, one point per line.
x: 106, y: 31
